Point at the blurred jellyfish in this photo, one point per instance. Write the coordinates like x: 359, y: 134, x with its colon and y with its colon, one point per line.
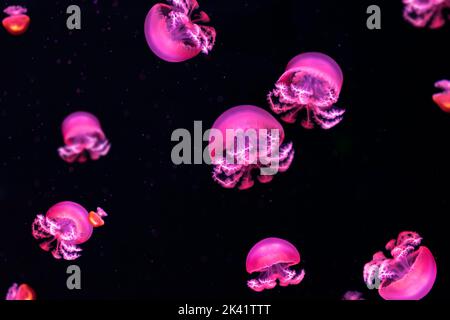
x: 173, y: 33
x: 311, y: 84
x: 271, y: 258
x: 408, y: 275
x: 353, y: 295
x: 64, y: 227
x: 244, y: 139
x: 442, y: 99
x: 426, y: 13
x: 22, y: 292
x: 83, y: 135
x: 17, y: 21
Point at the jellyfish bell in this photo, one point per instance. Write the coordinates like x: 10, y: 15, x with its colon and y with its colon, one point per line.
x: 17, y: 21
x: 442, y: 99
x: 22, y: 292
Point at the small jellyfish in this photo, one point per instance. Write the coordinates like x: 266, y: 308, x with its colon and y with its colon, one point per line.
x: 83, y: 136
x: 271, y: 258
x: 311, y: 84
x: 22, y: 292
x: 426, y: 13
x: 17, y: 21
x: 173, y: 33
x: 353, y: 295
x: 408, y: 275
x: 442, y: 99
x: 245, y: 139
x: 65, y: 226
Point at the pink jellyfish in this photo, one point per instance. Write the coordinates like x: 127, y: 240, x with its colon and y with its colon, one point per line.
x: 353, y: 295
x: 426, y: 13
x: 272, y: 258
x: 408, y: 275
x: 174, y: 35
x: 64, y: 227
x: 311, y: 83
x: 17, y: 21
x: 245, y: 138
x: 443, y: 99
x: 83, y: 136
x: 22, y: 292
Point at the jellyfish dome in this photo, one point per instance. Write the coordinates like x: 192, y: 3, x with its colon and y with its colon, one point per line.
x: 272, y: 259
x: 426, y: 13
x: 245, y: 139
x: 311, y: 84
x: 442, y: 99
x: 65, y: 226
x: 22, y: 292
x: 83, y: 137
x: 17, y: 21
x: 173, y: 31
x: 353, y: 295
x: 408, y: 275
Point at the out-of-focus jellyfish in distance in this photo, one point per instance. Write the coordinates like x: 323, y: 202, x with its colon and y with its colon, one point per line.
x: 426, y: 13
x: 442, y: 99
x: 22, y: 292
x: 17, y: 21
x: 353, y: 295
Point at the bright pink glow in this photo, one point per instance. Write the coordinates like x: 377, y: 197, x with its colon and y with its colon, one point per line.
x: 83, y: 135
x: 426, y: 13
x: 22, y: 292
x: 272, y: 258
x: 443, y: 99
x: 66, y: 223
x: 174, y: 35
x: 235, y: 165
x: 17, y: 23
x: 311, y: 83
x: 408, y: 275
x: 353, y: 295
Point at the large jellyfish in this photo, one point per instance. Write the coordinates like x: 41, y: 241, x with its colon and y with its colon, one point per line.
x: 22, y: 292
x: 83, y: 135
x: 17, y: 21
x: 65, y: 226
x: 408, y: 275
x: 173, y: 33
x: 311, y: 84
x: 426, y: 13
x: 272, y: 259
x: 244, y: 139
x: 442, y: 99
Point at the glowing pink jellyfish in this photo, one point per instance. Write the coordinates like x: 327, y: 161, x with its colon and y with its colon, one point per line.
x: 22, y: 292
x: 244, y: 139
x: 443, y: 99
x: 353, y: 295
x: 272, y: 258
x: 83, y: 135
x: 408, y: 275
x: 311, y: 83
x: 64, y: 227
x: 174, y: 35
x: 17, y: 21
x: 426, y: 13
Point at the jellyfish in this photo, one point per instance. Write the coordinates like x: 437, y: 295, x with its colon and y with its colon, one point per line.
x: 65, y: 226
x: 244, y: 139
x: 353, y: 295
x: 173, y: 31
x: 17, y: 21
x: 426, y: 13
x: 311, y: 84
x: 442, y: 99
x: 83, y: 136
x: 408, y: 275
x: 22, y: 292
x: 272, y: 259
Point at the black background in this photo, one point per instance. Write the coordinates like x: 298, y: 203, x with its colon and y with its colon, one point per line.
x: 172, y: 233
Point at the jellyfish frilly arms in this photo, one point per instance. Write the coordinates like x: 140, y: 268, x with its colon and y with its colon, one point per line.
x: 272, y: 259
x: 22, y: 292
x: 311, y: 84
x: 65, y: 226
x: 426, y: 13
x: 173, y: 31
x: 442, y: 99
x: 17, y: 21
x: 408, y: 275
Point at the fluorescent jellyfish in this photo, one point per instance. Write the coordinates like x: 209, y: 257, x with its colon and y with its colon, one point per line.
x: 408, y: 275
x: 65, y: 226
x: 311, y: 84
x: 173, y: 33
x: 353, y: 295
x: 442, y: 99
x: 83, y: 135
x: 22, y: 292
x: 245, y: 139
x: 272, y: 259
x: 426, y: 13
x: 17, y: 21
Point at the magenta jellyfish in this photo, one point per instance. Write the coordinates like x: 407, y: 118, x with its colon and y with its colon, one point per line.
x: 83, y: 136
x: 22, y: 292
x: 173, y: 31
x: 65, y: 226
x: 408, y: 275
x: 426, y: 13
x: 311, y: 84
x: 353, y: 295
x: 17, y: 21
x: 245, y: 139
x: 442, y: 99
